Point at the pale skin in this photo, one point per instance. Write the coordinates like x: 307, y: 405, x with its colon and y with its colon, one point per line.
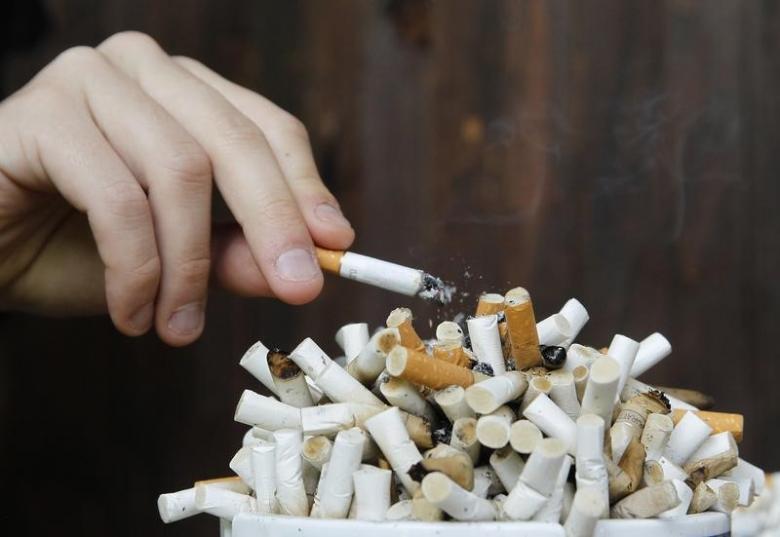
x: 108, y: 158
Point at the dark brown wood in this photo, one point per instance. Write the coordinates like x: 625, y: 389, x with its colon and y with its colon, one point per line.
x: 625, y: 153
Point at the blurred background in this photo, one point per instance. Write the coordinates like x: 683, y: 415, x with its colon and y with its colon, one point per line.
x: 625, y: 153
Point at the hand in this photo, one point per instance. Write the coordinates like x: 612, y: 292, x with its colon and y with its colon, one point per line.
x: 106, y: 165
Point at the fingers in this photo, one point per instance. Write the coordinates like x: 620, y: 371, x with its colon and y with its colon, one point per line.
x: 234, y: 268
x: 175, y: 171
x: 244, y: 166
x: 290, y: 143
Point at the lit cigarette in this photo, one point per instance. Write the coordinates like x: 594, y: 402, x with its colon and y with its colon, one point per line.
x: 486, y: 482
x: 581, y: 355
x: 175, y: 506
x: 336, y: 383
x: 508, y: 465
x: 489, y: 304
x: 580, y: 374
x: 263, y: 459
x: 401, y: 320
x: 536, y: 386
x: 486, y: 342
x: 521, y: 325
x: 449, y: 332
x: 586, y: 509
x: 717, y: 454
x: 399, y: 511
x: 655, y: 435
x: 623, y: 350
x: 255, y: 361
x: 652, y: 350
x: 386, y: 275
x: 591, y: 473
x: 576, y: 315
x: 601, y: 389
x: 524, y: 436
x: 289, y: 380
x: 404, y: 395
x: 689, y: 433
x: 551, y: 511
x: 290, y: 489
x: 553, y: 330
x: 703, y: 499
x: 241, y: 464
x: 370, y: 361
x: 421, y: 369
x: 727, y: 494
x: 634, y: 387
x: 456, y: 501
x: 331, y: 418
x: 316, y: 450
x: 452, y: 401
x: 719, y: 421
x: 486, y: 396
x: 552, y: 421
x: 453, y: 353
x: 493, y: 429
x: 372, y: 493
x: 685, y: 494
x: 389, y: 432
x: 335, y: 491
x: 221, y: 502
x: 647, y: 502
x: 266, y: 412
x: 535, y: 485
x: 632, y: 418
x: 352, y: 338
x: 564, y: 393
x: 745, y: 470
x: 452, y: 462
x: 464, y: 437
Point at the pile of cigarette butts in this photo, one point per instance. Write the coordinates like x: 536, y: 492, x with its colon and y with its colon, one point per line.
x: 497, y: 418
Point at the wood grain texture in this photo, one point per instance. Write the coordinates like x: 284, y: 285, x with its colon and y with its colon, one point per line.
x: 625, y: 153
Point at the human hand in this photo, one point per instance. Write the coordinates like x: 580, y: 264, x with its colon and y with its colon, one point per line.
x: 106, y: 165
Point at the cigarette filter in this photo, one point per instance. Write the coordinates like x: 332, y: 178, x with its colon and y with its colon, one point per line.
x: 401, y: 319
x: 493, y: 430
x: 263, y: 459
x: 655, y: 435
x: 586, y: 509
x: 403, y: 394
x: 631, y: 420
x: 401, y: 510
x: 647, y: 502
x: 464, y: 437
x: 747, y: 490
x: 336, y: 383
x: 744, y: 469
x: 523, y: 502
x: 334, y: 493
x: 352, y: 338
x: 489, y: 304
x: 544, y: 462
x: 508, y: 465
x: 290, y: 489
x: 389, y: 432
x: 551, y: 511
x: 703, y: 499
x: 719, y: 421
x: 552, y: 421
x: 623, y: 350
x: 689, y: 433
x: 453, y: 353
x: 576, y: 315
x: 524, y: 436
x: 581, y: 355
x: 419, y: 368
x: 591, y: 473
x: 486, y: 396
x: 423, y: 510
x: 175, y: 506
x: 449, y: 332
x: 717, y: 454
x: 563, y: 392
x: 255, y: 361
x: 289, y: 380
x: 671, y: 471
x: 316, y: 450
x: 727, y: 494
x: 221, y: 502
x: 452, y: 401
x: 536, y: 385
x: 456, y: 501
x: 521, y: 325
x: 452, y: 462
x: 580, y: 374
x: 370, y: 361
x: 372, y: 493
x: 553, y: 330
x: 652, y: 350
x: 685, y: 494
x: 486, y: 342
x: 602, y: 387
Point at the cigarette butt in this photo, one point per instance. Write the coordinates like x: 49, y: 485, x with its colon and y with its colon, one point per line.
x: 576, y: 315
x: 399, y: 511
x: 493, y: 430
x: 458, y: 466
x: 632, y: 463
x: 744, y: 469
x: 652, y: 350
x: 727, y: 493
x: 655, y: 434
x: 316, y: 450
x: 486, y: 342
x: 464, y: 437
x: 372, y: 493
x: 554, y: 330
x: 175, y: 506
x: 453, y: 353
x: 334, y: 493
x: 586, y: 509
x: 329, y: 260
x: 543, y: 465
x: 263, y: 460
x: 352, y: 338
x: 632, y: 417
x: 601, y: 389
x: 390, y: 434
x: 689, y: 433
x: 489, y: 304
x: 551, y: 511
x: 423, y: 510
x: 552, y: 421
x: 623, y: 350
x: 290, y: 488
x: 370, y: 361
x: 524, y: 436
x: 536, y: 386
x: 508, y: 466
x: 222, y: 503
x: 401, y: 319
x: 580, y: 374
x: 233, y: 483
x: 255, y: 361
x: 703, y: 499
x: 716, y: 455
x: 289, y: 380
x: 692, y: 397
x: 685, y: 494
x: 521, y: 325
x: 486, y: 482
x: 404, y: 395
x: 564, y: 393
x: 452, y: 401
x: 719, y: 421
x: 456, y: 501
x: 449, y: 332
x: 419, y: 429
x: 523, y: 502
x: 486, y: 396
x: 648, y: 502
x: 419, y: 368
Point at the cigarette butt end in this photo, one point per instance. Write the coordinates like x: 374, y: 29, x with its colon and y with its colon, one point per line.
x: 329, y: 260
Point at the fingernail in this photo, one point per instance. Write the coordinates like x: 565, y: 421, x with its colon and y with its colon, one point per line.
x: 186, y: 319
x: 142, y: 318
x: 297, y: 265
x: 331, y: 214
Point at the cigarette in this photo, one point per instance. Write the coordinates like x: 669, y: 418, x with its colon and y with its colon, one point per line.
x: 449, y: 332
x: 233, y: 483
x: 692, y: 397
x: 576, y: 315
x: 419, y: 430
x: 493, y: 429
x: 453, y: 353
x: 175, y: 506
x: 399, y: 511
x: 386, y: 275
x: 290, y: 382
x: 670, y: 470
x: 508, y: 465
x: 241, y: 464
x: 727, y: 494
x: 580, y: 374
x: 249, y: 439
x: 401, y: 320
x: 719, y: 421
x: 586, y: 509
x: 335, y: 491
x: 255, y: 361
x: 716, y: 455
x: 456, y: 501
x: 601, y: 389
x: 652, y: 350
x: 419, y: 368
x: 333, y: 380
x: 631, y: 420
x: 564, y: 393
x: 685, y: 494
x: 568, y: 500
x: 655, y: 435
x: 489, y: 304
x: 403, y: 394
x: 452, y: 462
x: 266, y: 412
x: 221, y: 502
x: 370, y: 361
x: 423, y: 510
x: 647, y: 502
x: 623, y: 350
x: 290, y: 489
x: 689, y: 433
x: 703, y: 499
x: 632, y: 463
x: 486, y: 482
x: 745, y: 470
x: 389, y: 432
x: 552, y: 421
x: 486, y: 342
x: 551, y: 511
x: 535, y: 485
x: 486, y: 396
x: 372, y: 493
x: 591, y: 473
x: 536, y: 386
x: 452, y: 401
x: 553, y: 330
x: 331, y: 418
x: 316, y: 450
x: 581, y: 355
x: 521, y: 325
x: 524, y: 436
x: 634, y: 387
x: 464, y: 437
x: 352, y: 338
x: 522, y: 503
x: 263, y: 460
x: 747, y: 490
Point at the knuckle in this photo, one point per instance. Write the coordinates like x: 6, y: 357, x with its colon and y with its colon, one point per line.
x: 283, y: 212
x: 194, y: 270
x: 292, y: 125
x: 126, y: 200
x: 148, y: 270
x: 189, y: 164
x: 130, y: 40
x: 186, y: 60
x: 240, y: 132
x: 76, y: 60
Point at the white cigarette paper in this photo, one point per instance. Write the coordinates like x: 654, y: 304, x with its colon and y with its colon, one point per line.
x: 536, y: 386
x: 486, y: 396
x: 334, y: 417
x: 744, y: 469
x: 370, y: 361
x: 591, y: 472
x: 586, y: 509
x: 655, y: 435
x: 580, y: 355
x: 552, y: 421
x: 352, y: 338
x: 486, y: 342
x: 221, y: 502
x: 647, y: 502
x: 602, y: 388
x: 334, y: 493
x: 175, y: 506
x: 452, y: 401
x: 685, y: 494
x: 535, y: 485
x: 266, y: 412
x: 263, y: 460
x: 241, y: 464
x: 623, y: 350
x: 508, y: 465
x: 456, y: 501
x: 407, y: 397
x: 255, y: 360
x: 576, y: 315
x: 401, y: 510
x: 486, y: 482
x: 290, y: 489
x: 564, y: 393
x: 390, y: 276
x: 372, y: 493
x: 524, y: 436
x: 554, y: 330
x: 689, y: 433
x: 551, y: 511
x: 652, y: 350
x: 389, y: 432
x: 634, y: 387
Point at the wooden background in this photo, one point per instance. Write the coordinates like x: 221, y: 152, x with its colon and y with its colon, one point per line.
x: 626, y: 153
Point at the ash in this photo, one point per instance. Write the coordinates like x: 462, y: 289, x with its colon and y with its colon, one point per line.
x: 436, y: 290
